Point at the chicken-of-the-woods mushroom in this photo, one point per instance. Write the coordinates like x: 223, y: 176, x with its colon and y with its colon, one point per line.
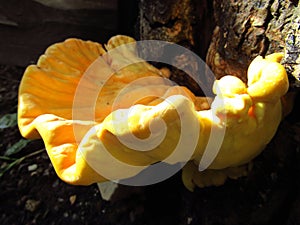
x: 249, y: 113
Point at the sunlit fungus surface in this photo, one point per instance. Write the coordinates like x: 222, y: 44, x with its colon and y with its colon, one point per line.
x: 106, y: 114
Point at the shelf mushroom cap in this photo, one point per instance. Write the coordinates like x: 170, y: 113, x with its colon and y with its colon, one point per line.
x: 137, y: 107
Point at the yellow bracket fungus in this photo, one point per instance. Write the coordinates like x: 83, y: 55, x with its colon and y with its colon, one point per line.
x: 109, y: 147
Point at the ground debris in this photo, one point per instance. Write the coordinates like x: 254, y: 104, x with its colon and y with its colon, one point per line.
x: 32, y: 205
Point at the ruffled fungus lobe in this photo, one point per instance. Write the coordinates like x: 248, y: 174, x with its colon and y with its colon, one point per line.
x: 48, y: 89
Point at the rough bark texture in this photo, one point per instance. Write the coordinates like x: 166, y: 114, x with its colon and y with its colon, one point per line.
x: 228, y: 34
x: 291, y: 59
x: 245, y: 29
x: 187, y: 23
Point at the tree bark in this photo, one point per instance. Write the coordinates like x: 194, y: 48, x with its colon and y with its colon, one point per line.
x: 229, y: 34
x: 185, y: 22
x: 245, y: 29
x: 291, y: 59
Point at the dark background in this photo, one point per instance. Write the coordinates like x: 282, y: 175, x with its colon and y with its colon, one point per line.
x: 28, y: 27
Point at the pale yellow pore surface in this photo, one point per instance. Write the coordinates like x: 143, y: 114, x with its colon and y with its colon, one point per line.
x: 112, y: 146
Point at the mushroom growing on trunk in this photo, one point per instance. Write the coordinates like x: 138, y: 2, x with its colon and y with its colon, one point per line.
x: 105, y: 114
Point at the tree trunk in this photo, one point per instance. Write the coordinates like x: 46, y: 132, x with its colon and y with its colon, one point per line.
x: 229, y: 34
x: 185, y: 22
x: 245, y: 29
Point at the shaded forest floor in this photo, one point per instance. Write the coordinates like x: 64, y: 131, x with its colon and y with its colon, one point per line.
x: 31, y: 193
